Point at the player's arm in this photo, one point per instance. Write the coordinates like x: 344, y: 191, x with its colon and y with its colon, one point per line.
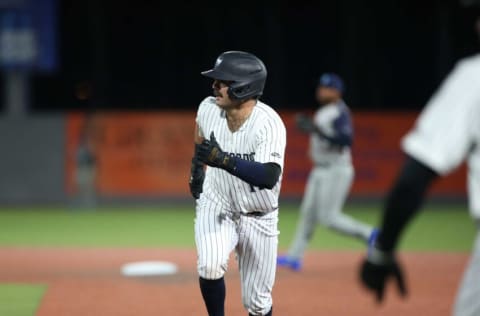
x: 403, y: 202
x: 197, y: 136
x: 197, y: 171
x: 440, y: 141
x: 263, y: 175
x: 343, y: 135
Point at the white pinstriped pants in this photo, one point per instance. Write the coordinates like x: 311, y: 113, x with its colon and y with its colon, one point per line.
x: 218, y: 231
x: 468, y: 297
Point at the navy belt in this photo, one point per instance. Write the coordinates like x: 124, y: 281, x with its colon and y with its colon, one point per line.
x: 255, y: 214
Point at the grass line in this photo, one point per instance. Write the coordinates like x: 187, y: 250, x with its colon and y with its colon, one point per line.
x: 20, y: 299
x: 437, y: 228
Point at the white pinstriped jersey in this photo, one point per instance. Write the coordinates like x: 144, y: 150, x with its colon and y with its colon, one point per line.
x: 262, y: 138
x: 448, y: 130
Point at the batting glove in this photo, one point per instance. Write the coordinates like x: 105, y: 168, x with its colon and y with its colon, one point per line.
x: 377, y: 268
x: 197, y: 175
x: 209, y: 152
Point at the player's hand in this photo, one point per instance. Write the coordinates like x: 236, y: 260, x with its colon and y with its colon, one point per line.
x: 377, y: 268
x: 209, y: 152
x: 197, y: 175
x: 304, y: 123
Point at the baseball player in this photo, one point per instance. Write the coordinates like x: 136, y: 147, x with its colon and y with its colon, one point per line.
x: 446, y: 134
x: 242, y: 141
x: 86, y: 170
x: 331, y: 136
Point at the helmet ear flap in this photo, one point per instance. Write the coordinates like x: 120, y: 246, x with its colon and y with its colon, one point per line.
x: 239, y: 92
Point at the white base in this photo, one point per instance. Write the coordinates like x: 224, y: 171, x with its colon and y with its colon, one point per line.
x: 148, y: 268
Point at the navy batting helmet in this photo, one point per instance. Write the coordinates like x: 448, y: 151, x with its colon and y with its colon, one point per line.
x: 246, y: 72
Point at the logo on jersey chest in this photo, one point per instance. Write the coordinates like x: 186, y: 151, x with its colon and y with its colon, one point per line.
x: 249, y: 157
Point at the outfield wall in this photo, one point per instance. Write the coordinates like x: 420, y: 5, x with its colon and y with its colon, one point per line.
x: 146, y: 156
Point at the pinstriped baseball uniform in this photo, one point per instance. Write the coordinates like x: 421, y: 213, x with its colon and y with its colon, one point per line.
x: 447, y: 133
x: 233, y: 215
x: 329, y: 182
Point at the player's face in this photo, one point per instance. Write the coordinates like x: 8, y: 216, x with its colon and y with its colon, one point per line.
x: 220, y: 90
x: 325, y: 95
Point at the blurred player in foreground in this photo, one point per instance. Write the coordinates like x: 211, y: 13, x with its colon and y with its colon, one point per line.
x: 242, y: 140
x: 446, y: 134
x: 331, y: 136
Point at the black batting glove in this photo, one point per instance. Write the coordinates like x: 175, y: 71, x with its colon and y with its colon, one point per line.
x: 209, y: 152
x: 377, y: 268
x: 197, y: 175
x: 304, y: 123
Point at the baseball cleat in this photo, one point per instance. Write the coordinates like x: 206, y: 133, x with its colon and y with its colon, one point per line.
x: 291, y: 263
x: 373, y: 238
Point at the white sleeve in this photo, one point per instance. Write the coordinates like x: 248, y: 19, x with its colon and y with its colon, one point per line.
x: 271, y: 141
x: 324, y: 118
x: 200, y: 119
x: 443, y: 134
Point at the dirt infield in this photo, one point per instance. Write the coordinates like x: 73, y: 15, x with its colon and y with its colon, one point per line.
x: 88, y: 282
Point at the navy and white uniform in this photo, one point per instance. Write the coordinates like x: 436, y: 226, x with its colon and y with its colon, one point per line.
x: 330, y: 179
x: 234, y: 215
x: 446, y: 134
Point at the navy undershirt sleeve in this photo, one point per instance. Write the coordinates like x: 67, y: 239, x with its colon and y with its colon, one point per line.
x: 403, y: 201
x: 262, y: 175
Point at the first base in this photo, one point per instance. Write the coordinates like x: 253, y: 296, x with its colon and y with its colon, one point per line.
x: 149, y: 268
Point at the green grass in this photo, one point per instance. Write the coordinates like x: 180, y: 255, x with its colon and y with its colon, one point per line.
x: 438, y: 228
x: 20, y: 299
x: 118, y: 227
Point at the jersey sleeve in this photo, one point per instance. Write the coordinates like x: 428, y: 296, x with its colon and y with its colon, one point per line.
x: 443, y: 134
x: 336, y: 125
x: 324, y: 118
x: 271, y: 141
x: 201, y: 113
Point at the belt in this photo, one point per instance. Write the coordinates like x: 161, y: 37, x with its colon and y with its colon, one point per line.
x: 322, y: 164
x: 255, y: 214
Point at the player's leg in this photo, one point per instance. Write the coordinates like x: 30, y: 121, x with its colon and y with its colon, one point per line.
x: 257, y: 253
x: 334, y: 186
x: 306, y: 222
x: 215, y: 238
x: 467, y: 302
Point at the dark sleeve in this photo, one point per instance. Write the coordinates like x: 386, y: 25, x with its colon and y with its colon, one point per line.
x: 343, y: 131
x: 262, y: 175
x: 338, y: 140
x: 403, y: 201
x: 196, y: 169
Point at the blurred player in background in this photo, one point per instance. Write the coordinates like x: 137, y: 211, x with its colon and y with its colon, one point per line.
x: 446, y: 134
x: 86, y: 169
x: 331, y: 136
x: 242, y: 140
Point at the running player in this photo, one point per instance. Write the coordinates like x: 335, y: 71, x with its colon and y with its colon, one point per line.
x: 446, y: 134
x: 242, y: 140
x: 329, y: 182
